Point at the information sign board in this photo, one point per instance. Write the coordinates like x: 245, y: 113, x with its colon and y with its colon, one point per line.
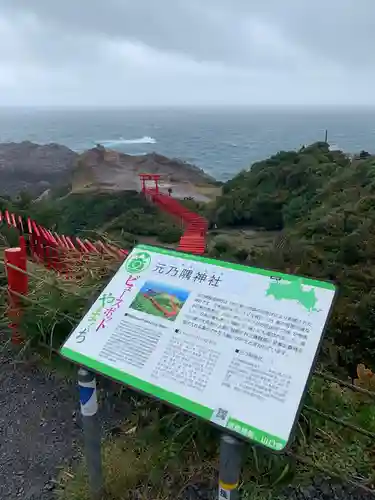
x: 232, y: 344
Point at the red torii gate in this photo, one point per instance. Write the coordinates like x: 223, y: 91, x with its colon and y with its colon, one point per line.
x: 150, y: 177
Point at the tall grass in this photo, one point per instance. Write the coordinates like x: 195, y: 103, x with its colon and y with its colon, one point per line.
x: 56, y: 302
x: 158, y: 452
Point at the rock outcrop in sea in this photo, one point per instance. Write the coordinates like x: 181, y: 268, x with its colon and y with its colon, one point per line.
x: 26, y: 166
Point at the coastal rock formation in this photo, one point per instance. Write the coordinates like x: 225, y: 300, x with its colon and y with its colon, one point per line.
x: 99, y: 169
x: 39, y: 168
x: 33, y: 167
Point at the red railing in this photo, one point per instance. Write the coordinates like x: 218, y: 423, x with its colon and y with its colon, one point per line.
x: 53, y: 249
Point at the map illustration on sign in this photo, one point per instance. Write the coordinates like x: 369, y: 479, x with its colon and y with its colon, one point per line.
x: 229, y: 343
x: 293, y: 290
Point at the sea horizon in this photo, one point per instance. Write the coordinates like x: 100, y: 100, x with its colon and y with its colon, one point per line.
x: 318, y: 108
x: 222, y: 140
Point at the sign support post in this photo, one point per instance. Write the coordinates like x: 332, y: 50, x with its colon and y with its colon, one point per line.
x: 231, y: 452
x: 91, y: 430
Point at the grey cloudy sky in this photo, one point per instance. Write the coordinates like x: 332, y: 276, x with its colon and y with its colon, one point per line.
x: 193, y: 52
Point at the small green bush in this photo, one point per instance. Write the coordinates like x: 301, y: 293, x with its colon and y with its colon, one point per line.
x: 169, y: 234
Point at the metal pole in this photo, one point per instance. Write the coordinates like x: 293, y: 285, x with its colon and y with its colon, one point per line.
x: 91, y: 430
x: 231, y: 450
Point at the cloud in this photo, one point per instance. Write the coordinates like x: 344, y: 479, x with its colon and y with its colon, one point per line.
x: 121, y: 52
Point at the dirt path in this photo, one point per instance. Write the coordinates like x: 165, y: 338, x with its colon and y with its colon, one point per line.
x: 40, y: 429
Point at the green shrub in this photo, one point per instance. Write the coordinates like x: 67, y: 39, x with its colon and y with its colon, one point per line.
x: 117, y: 214
x: 169, y: 233
x: 280, y: 190
x: 84, y: 211
x: 9, y: 236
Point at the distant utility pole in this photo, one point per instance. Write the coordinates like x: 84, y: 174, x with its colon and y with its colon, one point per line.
x: 326, y: 136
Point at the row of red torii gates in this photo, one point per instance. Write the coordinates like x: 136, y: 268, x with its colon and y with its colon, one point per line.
x: 193, y: 239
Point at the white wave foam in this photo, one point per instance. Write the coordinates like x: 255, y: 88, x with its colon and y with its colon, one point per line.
x: 141, y: 140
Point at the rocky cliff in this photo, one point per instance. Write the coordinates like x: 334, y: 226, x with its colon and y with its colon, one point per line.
x: 33, y: 167
x: 103, y: 170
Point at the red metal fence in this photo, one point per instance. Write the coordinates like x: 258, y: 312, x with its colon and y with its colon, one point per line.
x: 52, y: 249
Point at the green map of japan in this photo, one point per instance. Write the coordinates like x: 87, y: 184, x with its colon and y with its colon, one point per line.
x: 293, y: 290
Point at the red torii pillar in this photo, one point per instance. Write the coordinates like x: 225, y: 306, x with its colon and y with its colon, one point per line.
x: 149, y: 177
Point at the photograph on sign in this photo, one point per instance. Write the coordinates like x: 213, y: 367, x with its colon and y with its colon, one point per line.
x: 229, y: 343
x: 160, y: 300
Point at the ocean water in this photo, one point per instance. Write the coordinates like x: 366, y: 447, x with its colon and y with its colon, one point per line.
x: 221, y: 141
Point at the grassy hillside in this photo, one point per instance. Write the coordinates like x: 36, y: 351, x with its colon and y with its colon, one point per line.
x: 280, y: 190
x: 122, y: 215
x: 324, y: 203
